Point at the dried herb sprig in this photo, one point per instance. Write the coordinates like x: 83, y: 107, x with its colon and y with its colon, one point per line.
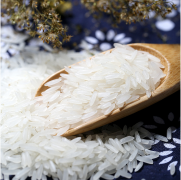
x: 41, y: 17
x: 129, y: 10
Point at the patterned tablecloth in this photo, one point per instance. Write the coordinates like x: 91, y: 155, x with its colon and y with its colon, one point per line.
x: 100, y: 35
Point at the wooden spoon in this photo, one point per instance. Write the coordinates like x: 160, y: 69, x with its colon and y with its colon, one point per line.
x: 169, y: 56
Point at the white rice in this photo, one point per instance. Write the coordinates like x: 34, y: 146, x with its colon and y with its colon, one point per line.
x: 133, y: 155
x: 161, y: 138
x: 139, y: 166
x: 144, y: 159
x: 172, y: 169
x: 123, y: 174
x: 107, y: 176
x: 126, y: 139
x: 29, y: 146
x: 138, y: 139
x: 169, y: 133
x: 96, y: 87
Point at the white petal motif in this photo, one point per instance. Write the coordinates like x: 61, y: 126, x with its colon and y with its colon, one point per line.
x: 170, y: 146
x: 126, y: 40
x: 180, y: 168
x: 110, y: 35
x: 100, y: 35
x: 118, y: 37
x: 105, y: 46
x: 166, y: 160
x: 177, y: 140
x: 165, y: 153
x: 171, y: 116
x: 156, y: 141
x: 91, y: 40
x: 158, y: 120
x: 150, y: 126
x: 174, y: 162
x: 174, y: 129
x: 172, y: 14
x: 165, y: 25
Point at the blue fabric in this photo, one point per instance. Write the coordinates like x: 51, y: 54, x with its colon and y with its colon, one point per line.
x: 143, y: 32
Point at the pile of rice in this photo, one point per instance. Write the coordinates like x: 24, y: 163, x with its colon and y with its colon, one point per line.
x: 28, y: 145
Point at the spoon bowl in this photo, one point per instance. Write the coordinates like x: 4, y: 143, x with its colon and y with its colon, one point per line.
x: 169, y: 56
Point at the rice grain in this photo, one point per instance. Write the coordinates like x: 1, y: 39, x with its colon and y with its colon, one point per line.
x: 31, y: 127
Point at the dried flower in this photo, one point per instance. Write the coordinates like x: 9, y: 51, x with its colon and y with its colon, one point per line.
x: 52, y: 36
x: 129, y: 10
x: 42, y: 26
x: 40, y: 17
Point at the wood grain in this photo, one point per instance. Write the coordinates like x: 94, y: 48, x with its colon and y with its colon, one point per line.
x: 170, y: 58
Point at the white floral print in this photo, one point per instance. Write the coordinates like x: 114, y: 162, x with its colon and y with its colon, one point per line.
x: 170, y: 146
x: 176, y: 140
x: 106, y: 40
x: 165, y: 25
x: 169, y: 152
x: 165, y: 153
x: 166, y: 160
